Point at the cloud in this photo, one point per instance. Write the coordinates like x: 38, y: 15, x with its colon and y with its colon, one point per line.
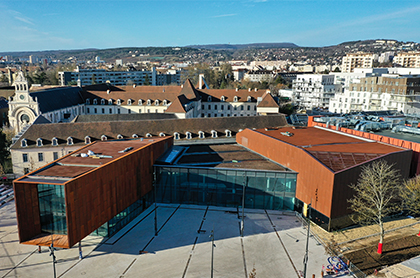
x: 24, y: 20
x: 223, y: 15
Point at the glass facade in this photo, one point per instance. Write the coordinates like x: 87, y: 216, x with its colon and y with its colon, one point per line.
x: 224, y: 187
x: 52, y: 208
x: 118, y: 222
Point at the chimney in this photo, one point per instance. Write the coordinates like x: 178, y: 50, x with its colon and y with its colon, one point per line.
x: 249, y: 89
x: 237, y: 89
x: 255, y: 89
x: 182, y: 85
x: 134, y: 85
x: 108, y: 91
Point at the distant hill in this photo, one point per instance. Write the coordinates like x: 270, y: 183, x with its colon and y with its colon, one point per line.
x: 244, y: 46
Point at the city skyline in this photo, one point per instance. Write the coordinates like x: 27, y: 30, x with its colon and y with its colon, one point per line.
x: 65, y: 25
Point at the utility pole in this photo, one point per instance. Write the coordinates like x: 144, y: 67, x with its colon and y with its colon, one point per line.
x: 305, y: 259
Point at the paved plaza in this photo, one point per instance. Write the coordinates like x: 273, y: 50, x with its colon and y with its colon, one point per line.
x: 273, y: 244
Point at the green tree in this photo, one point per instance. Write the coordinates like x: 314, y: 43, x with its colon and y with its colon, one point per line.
x: 4, y: 148
x: 376, y: 196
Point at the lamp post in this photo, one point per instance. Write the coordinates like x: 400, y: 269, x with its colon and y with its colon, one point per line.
x: 305, y: 258
x: 52, y: 249
x: 212, y: 251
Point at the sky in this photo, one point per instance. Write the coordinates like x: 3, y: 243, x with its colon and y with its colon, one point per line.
x: 36, y: 25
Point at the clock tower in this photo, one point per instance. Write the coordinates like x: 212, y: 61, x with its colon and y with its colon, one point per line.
x: 23, y: 109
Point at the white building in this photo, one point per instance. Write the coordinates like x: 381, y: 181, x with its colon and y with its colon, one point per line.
x: 358, y: 60
x: 376, y: 93
x: 407, y: 59
x: 118, y: 78
x: 314, y: 90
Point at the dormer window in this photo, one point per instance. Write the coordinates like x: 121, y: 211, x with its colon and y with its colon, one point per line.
x: 148, y: 135
x: 223, y: 98
x: 104, y: 138
x: 23, y: 143
x: 162, y: 134
x: 201, y: 134
x: 129, y: 101
x: 165, y: 102
x: 119, y: 136
x: 102, y: 102
x: 249, y: 98
x: 88, y: 101
x: 188, y: 134
x: 209, y: 98
x: 110, y: 101
x: 235, y: 99
x: 213, y: 134
x: 140, y: 102
x: 149, y: 102
x: 118, y: 101
x: 157, y: 102
x: 135, y: 136
x: 54, y: 142
x: 228, y: 133
x: 95, y: 101
x: 39, y: 142
x: 176, y: 135
x: 69, y: 141
x: 87, y: 140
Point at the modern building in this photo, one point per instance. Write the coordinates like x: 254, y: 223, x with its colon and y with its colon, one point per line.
x: 358, y: 60
x: 407, y: 59
x: 45, y: 142
x: 327, y: 162
x: 378, y: 93
x: 118, y: 78
x: 314, y: 90
x: 101, y: 186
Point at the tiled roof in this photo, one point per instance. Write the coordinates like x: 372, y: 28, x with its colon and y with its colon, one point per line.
x: 176, y: 106
x: 268, y: 101
x: 122, y: 117
x: 78, y: 131
x: 230, y: 94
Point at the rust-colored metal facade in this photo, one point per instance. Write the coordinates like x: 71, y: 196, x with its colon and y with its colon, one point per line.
x: 92, y: 198
x: 327, y: 190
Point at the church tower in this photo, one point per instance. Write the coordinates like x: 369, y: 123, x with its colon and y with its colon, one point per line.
x: 23, y: 109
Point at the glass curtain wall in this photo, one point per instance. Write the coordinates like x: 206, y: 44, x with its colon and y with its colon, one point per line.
x: 52, y: 208
x: 224, y: 187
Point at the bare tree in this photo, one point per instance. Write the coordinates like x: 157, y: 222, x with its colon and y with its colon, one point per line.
x: 410, y: 195
x: 376, y: 195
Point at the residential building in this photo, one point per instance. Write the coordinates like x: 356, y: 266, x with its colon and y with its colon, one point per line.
x: 118, y: 78
x: 379, y: 93
x: 259, y: 75
x: 358, y: 60
x: 314, y: 90
x: 407, y: 59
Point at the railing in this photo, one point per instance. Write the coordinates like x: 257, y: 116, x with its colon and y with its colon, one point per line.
x: 354, y: 270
